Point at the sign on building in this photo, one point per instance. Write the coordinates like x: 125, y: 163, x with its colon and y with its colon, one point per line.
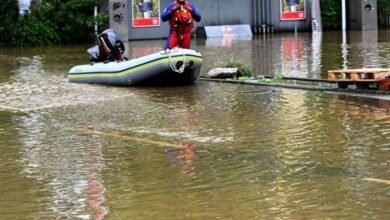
x: 146, y: 13
x: 292, y: 10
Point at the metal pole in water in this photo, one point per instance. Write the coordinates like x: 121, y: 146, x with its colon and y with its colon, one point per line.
x: 343, y: 15
x: 95, y: 12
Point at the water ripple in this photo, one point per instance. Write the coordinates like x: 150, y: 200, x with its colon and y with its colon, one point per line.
x: 32, y: 89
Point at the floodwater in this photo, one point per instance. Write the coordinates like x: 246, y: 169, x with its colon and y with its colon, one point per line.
x: 207, y: 151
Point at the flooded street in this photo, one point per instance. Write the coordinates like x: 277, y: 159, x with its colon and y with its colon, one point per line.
x: 207, y: 151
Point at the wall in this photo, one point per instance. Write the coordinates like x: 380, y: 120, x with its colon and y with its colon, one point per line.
x: 214, y: 12
x: 363, y: 15
x: 224, y: 12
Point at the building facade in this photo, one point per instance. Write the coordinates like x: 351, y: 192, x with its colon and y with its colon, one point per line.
x: 139, y: 19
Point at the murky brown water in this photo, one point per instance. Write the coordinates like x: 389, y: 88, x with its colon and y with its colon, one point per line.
x: 208, y: 151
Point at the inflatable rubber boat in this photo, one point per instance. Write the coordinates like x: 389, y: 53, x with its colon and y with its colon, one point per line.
x: 178, y: 66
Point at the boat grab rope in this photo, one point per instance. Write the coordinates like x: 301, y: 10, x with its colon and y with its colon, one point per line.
x: 173, y: 64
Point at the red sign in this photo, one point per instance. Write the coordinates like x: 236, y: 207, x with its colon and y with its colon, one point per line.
x: 146, y: 22
x: 292, y: 10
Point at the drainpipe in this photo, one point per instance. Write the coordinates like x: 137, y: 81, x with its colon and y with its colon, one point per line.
x: 259, y: 14
x: 263, y: 12
x: 266, y: 15
x: 254, y: 17
x: 263, y: 16
x: 269, y: 18
x: 219, y: 12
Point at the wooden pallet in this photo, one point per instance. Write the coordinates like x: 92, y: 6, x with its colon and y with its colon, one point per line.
x: 378, y: 79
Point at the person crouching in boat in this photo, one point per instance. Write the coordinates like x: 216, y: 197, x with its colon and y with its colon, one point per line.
x: 109, y: 48
x: 181, y: 15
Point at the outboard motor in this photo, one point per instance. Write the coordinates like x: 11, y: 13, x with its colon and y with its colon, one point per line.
x: 109, y: 48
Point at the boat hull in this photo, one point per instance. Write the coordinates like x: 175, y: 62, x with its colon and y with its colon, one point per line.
x: 155, y: 68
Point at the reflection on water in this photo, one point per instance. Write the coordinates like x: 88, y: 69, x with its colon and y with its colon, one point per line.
x: 306, y: 54
x: 74, y: 151
x: 361, y: 107
x: 96, y: 189
x: 68, y: 170
x: 302, y: 55
x: 365, y: 51
x: 316, y: 57
x: 227, y: 41
x: 293, y: 56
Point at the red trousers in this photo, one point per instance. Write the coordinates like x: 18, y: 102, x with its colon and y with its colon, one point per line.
x: 177, y: 39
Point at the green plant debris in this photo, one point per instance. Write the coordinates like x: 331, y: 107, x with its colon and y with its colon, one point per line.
x: 278, y: 79
x: 244, y: 69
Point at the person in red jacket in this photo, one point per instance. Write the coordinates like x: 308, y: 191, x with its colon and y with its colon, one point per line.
x: 181, y: 15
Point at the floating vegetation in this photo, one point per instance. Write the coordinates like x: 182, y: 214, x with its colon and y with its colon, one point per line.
x: 244, y: 69
x: 279, y: 79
